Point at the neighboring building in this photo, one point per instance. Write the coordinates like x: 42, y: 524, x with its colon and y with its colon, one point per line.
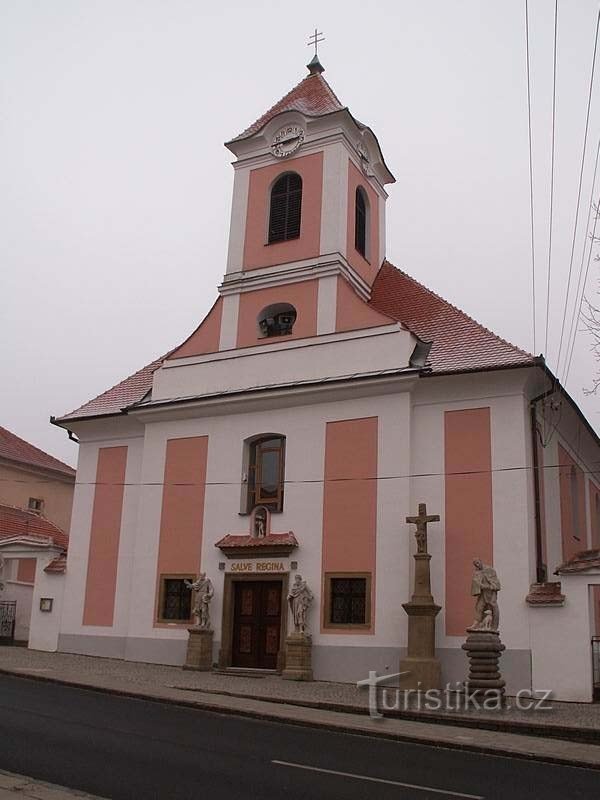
x: 36, y: 497
x: 32, y: 560
x: 324, y: 396
x: 34, y: 480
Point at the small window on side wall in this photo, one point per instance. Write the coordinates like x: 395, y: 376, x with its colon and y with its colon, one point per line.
x: 285, y: 208
x: 175, y: 599
x: 266, y: 470
x: 360, y: 221
x: 276, y: 320
x: 35, y: 504
x: 347, y: 600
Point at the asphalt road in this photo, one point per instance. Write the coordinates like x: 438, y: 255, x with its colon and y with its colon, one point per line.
x: 123, y: 748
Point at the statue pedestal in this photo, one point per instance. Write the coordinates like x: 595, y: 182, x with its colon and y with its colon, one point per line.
x: 199, y: 650
x: 298, y: 658
x: 425, y: 669
x: 484, y: 649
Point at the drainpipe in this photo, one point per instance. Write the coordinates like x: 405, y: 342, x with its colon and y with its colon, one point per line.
x: 541, y: 570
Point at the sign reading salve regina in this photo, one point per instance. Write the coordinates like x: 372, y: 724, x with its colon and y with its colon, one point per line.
x: 252, y: 565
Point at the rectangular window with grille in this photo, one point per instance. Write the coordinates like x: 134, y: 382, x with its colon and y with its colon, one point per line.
x: 175, y: 599
x: 348, y: 600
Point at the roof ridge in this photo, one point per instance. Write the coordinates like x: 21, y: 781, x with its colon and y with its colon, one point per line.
x: 458, y: 310
x: 38, y: 449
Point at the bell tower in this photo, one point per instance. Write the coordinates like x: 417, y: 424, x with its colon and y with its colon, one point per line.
x: 307, y: 229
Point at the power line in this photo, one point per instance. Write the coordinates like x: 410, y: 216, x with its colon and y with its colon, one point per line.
x: 407, y: 476
x: 583, y: 154
x: 587, y: 269
x: 551, y: 178
x: 530, y: 171
x: 575, y: 315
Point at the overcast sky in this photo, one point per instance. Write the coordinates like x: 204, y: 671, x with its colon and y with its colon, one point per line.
x: 116, y: 187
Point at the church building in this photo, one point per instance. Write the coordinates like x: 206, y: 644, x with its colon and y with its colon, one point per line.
x: 323, y: 398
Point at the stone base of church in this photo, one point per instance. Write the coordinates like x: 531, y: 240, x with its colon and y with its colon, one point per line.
x: 199, y: 654
x: 424, y: 673
x: 298, y: 658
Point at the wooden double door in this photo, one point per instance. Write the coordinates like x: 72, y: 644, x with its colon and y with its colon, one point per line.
x: 256, y: 624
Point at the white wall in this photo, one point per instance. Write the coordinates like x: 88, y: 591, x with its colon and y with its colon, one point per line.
x: 561, y: 651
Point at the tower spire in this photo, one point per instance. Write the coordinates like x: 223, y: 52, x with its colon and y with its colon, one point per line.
x: 314, y: 66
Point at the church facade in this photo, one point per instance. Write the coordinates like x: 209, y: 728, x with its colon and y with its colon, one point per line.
x: 324, y: 396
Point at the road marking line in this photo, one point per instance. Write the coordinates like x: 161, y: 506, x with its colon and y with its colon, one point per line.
x: 378, y: 780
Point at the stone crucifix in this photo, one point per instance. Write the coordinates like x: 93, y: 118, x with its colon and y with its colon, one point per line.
x: 421, y: 522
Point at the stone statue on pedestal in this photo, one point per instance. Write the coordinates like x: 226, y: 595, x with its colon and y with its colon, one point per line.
x: 203, y: 594
x: 485, y: 587
x: 299, y: 599
x: 483, y: 645
x: 298, y: 645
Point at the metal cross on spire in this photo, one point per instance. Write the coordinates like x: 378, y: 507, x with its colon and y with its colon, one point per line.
x: 313, y: 39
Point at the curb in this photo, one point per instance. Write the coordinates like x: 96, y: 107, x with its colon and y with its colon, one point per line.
x: 418, y: 739
x: 562, y: 732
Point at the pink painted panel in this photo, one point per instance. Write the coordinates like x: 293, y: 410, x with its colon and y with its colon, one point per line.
x: 595, y: 514
x: 257, y: 253
x: 205, y: 339
x: 105, y: 533
x: 352, y: 313
x: 302, y: 295
x: 468, y: 509
x: 182, y: 515
x: 366, y: 268
x: 350, y: 500
x: 26, y: 570
x: 573, y: 526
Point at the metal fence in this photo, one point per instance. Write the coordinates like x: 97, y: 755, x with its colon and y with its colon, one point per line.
x: 8, y: 613
x: 596, y: 666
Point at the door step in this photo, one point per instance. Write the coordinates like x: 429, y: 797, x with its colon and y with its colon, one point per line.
x: 245, y: 672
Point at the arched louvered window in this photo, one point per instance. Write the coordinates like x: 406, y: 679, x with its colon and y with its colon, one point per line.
x: 360, y: 222
x: 286, y: 205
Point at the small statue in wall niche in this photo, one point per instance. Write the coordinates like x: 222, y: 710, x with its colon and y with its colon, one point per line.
x: 485, y: 587
x: 203, y: 594
x: 260, y: 522
x: 299, y: 599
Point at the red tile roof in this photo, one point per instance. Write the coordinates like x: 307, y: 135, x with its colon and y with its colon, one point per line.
x: 580, y: 562
x: 13, y: 448
x: 313, y: 97
x: 58, y: 566
x: 245, y: 540
x: 16, y: 522
x: 460, y: 344
x: 113, y: 400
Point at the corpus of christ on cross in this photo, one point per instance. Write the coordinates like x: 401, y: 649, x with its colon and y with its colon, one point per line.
x: 421, y: 522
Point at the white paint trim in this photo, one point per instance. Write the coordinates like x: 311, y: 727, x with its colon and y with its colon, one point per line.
x: 206, y: 358
x: 229, y: 322
x: 327, y: 305
x: 334, y: 205
x: 293, y: 272
x: 237, y: 225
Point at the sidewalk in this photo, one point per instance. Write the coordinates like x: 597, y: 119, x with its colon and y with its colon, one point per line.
x: 569, y: 733
x: 13, y: 786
